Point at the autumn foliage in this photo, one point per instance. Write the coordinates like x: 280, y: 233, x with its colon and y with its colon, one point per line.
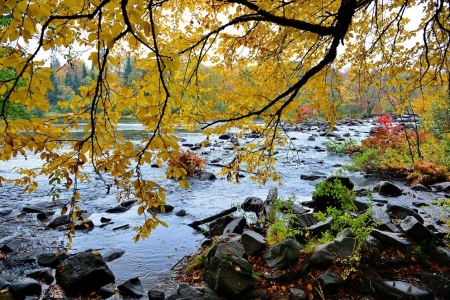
x: 188, y: 163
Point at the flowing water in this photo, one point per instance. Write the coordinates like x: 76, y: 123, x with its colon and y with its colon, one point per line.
x: 151, y: 259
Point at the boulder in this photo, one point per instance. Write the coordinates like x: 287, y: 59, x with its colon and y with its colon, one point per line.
x: 420, y: 188
x: 283, y: 254
x: 25, y: 287
x: 253, y: 204
x: 217, y: 226
x: 35, y: 208
x: 407, y: 290
x: 297, y: 294
x: 416, y: 230
x: 132, y: 288
x: 401, y: 212
x: 113, y: 254
x: 226, y: 136
x: 386, y: 188
x: 84, y: 271
x: 342, y: 247
x: 42, y: 274
x: 330, y: 281
x: 156, y: 295
x: 51, y: 259
x: 180, y: 213
x: 441, y: 187
x: 59, y: 221
x: 128, y: 203
x: 11, y: 246
x: 237, y: 225
x: 380, y: 216
x: 117, y: 210
x: 304, y: 220
x: 272, y: 196
x: 253, y: 242
x: 106, y: 291
x: 394, y: 239
x: 187, y: 292
x: 312, y: 177
x: 441, y: 255
x: 320, y: 227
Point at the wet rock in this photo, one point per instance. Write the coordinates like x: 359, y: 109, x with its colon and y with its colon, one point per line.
x: 330, y: 281
x: 228, y: 248
x: 25, y: 287
x: 23, y: 259
x: 237, y: 225
x: 420, y: 188
x: 85, y: 224
x: 441, y: 187
x: 226, y: 136
x: 128, y: 203
x: 106, y: 291
x: 407, y: 290
x: 113, y: 254
x: 438, y: 284
x: 187, y: 292
x: 297, y: 294
x: 217, y: 226
x: 5, y: 212
x: 45, y: 215
x: 386, y: 188
x: 311, y: 139
x: 50, y: 259
x: 283, y: 254
x: 4, y: 284
x: 132, y: 287
x: 83, y: 272
x: 320, y: 227
x: 272, y: 196
x: 116, y: 210
x: 35, y: 208
x: 253, y: 242
x: 380, y: 216
x: 305, y: 220
x: 280, y: 276
x: 105, y: 220
x: 180, y: 213
x: 319, y: 149
x: 165, y: 209
x: 205, y: 176
x: 342, y: 247
x: 42, y: 274
x: 156, y: 295
x: 59, y: 221
x: 416, y: 230
x: 253, y: 204
x: 441, y: 255
x: 401, y: 212
x: 394, y: 239
x: 11, y: 245
x: 312, y: 177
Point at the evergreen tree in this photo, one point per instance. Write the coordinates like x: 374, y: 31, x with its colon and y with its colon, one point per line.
x: 127, y: 71
x: 69, y: 79
x: 84, y: 72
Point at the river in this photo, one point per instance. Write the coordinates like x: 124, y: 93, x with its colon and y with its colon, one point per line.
x: 151, y: 259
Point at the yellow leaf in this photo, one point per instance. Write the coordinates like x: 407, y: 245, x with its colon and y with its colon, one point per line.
x: 96, y: 253
x: 184, y: 184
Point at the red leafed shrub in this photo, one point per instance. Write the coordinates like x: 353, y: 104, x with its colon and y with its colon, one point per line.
x: 189, y: 161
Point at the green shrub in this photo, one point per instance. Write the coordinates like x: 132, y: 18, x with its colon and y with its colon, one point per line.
x: 340, y: 147
x: 282, y: 217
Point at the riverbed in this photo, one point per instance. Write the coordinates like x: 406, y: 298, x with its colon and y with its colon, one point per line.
x: 152, y: 259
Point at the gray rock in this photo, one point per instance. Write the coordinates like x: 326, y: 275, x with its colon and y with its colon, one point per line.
x: 180, y: 213
x: 156, y: 295
x: 441, y: 255
x: 253, y: 242
x: 283, y: 254
x: 272, y: 196
x: 394, y: 239
x: 217, y: 226
x: 408, y: 290
x: 438, y: 284
x: 43, y: 274
x: 35, y: 208
x: 320, y: 227
x: 128, y: 203
x: 113, y: 254
x: 25, y: 287
x: 51, y: 260
x: 83, y: 272
x: 401, y: 212
x: 106, y: 291
x: 305, y: 220
x: 116, y: 210
x: 5, y: 212
x: 187, y: 292
x: 226, y: 136
x: 441, y: 187
x: 298, y: 294
x: 229, y: 248
x: 387, y: 188
x: 416, y: 230
x: 253, y: 204
x: 330, y: 281
x: 85, y: 224
x: 342, y: 247
x: 420, y: 188
x: 44, y: 216
x: 380, y: 216
x: 132, y: 287
x: 237, y: 225
x: 11, y: 246
x: 205, y: 176
x: 59, y: 221
x: 312, y: 177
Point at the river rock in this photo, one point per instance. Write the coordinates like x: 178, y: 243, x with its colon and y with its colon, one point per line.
x: 380, y: 216
x: 106, y: 291
x: 407, y: 290
x: 113, y: 254
x: 187, y: 292
x: 305, y: 220
x: 42, y: 274
x: 420, y: 188
x: 83, y: 272
x: 205, y: 176
x: 59, y: 221
x: 401, y: 212
x: 128, y: 203
x: 50, y: 259
x: 44, y: 216
x: 180, y: 213
x: 11, y: 245
x: 217, y: 226
x: 253, y: 242
x: 282, y: 255
x: 342, y: 247
x: 441, y: 255
x: 25, y: 287
x: 268, y: 204
x: 320, y: 227
x: 330, y: 281
x: 253, y: 204
x: 117, y: 210
x: 438, y: 284
x: 4, y: 284
x: 441, y: 187
x: 416, y: 230
x: 312, y: 177
x: 391, y: 238
x: 35, y: 208
x: 297, y: 294
x: 237, y: 225
x: 156, y: 295
x: 5, y: 212
x: 386, y: 188
x: 226, y: 136
x: 132, y: 287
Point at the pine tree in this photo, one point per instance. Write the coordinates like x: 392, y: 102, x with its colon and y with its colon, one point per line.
x: 126, y: 73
